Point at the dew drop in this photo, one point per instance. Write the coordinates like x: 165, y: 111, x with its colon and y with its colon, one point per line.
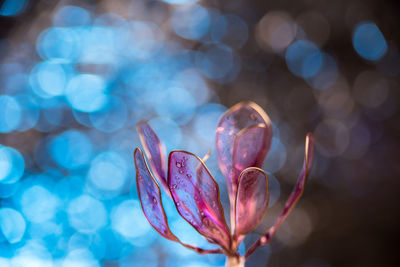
x: 174, y: 186
x: 180, y: 171
x: 178, y: 164
x: 188, y: 175
x: 202, y: 213
x: 263, y: 240
x: 178, y: 204
x: 154, y: 200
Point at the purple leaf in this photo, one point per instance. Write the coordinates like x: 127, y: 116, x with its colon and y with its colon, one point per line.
x: 196, y: 196
x: 251, y: 200
x: 250, y: 147
x: 293, y: 198
x: 301, y: 181
x: 155, y: 152
x: 243, y: 116
x: 150, y: 197
x: 240, y: 129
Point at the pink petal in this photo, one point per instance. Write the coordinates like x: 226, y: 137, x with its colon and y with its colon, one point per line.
x: 241, y: 116
x: 196, y: 196
x: 150, y: 197
x: 251, y: 200
x: 293, y: 198
x: 155, y: 152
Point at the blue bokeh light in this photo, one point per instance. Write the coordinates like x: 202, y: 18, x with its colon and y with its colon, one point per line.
x: 96, y: 76
x: 327, y: 75
x: 145, y: 39
x: 48, y: 79
x: 97, y: 45
x: 8, y: 190
x: 80, y: 257
x: 86, y: 214
x: 86, y: 93
x: 168, y: 131
x: 112, y: 117
x: 33, y: 253
x: 180, y: 105
x: 209, y: 60
x: 303, y: 58
x: 191, y: 22
x: 276, y: 157
x: 181, y: 2
x: 108, y: 171
x: 125, y: 215
x: 84, y: 241
x: 12, y: 7
x: 71, y: 16
x: 230, y: 30
x: 69, y: 188
x: 195, y: 84
x: 58, y: 43
x: 38, y: 204
x: 12, y: 225
x: 29, y: 112
x: 71, y: 149
x: 12, y: 165
x: 10, y: 113
x: 206, y: 122
x: 369, y: 42
x: 274, y: 189
x: 116, y: 246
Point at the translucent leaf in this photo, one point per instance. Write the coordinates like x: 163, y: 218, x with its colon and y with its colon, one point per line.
x: 150, y: 197
x: 241, y: 116
x: 251, y: 200
x: 301, y: 181
x: 155, y: 152
x: 250, y: 148
x: 293, y: 198
x: 196, y: 196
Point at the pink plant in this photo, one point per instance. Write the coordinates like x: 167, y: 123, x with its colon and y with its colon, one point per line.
x: 243, y: 139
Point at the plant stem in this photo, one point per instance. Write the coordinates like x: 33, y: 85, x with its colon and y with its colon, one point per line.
x: 234, y: 261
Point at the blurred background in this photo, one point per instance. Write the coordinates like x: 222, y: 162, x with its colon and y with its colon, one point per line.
x: 76, y: 76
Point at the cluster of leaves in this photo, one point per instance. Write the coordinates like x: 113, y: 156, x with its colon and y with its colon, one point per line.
x: 243, y: 139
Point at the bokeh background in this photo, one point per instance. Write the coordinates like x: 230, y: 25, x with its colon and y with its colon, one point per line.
x: 76, y: 76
